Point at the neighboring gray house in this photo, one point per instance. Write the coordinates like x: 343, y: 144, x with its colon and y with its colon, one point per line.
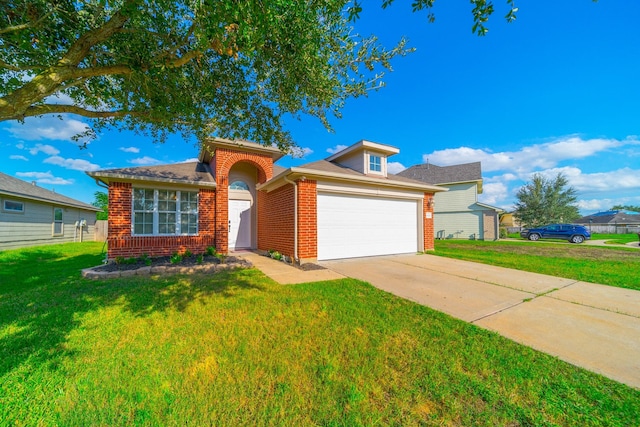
x: 613, y: 221
x: 457, y: 212
x: 30, y: 216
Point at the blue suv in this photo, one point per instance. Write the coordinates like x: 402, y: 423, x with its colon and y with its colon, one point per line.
x: 572, y: 232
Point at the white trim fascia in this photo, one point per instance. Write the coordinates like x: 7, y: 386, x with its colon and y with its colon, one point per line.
x: 388, y: 150
x: 128, y: 178
x: 296, y: 173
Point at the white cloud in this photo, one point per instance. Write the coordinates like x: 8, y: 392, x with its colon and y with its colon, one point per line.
x: 56, y: 181
x: 300, y: 152
x: 191, y: 160
x: 47, y: 128
x: 494, y: 193
x: 336, y: 149
x: 45, y: 178
x: 73, y: 164
x: 395, y: 167
x: 44, y: 148
x: 17, y: 157
x: 530, y: 158
x: 130, y: 149
x: 146, y: 160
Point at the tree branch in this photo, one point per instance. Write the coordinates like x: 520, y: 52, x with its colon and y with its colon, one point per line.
x: 39, y: 110
x: 27, y: 25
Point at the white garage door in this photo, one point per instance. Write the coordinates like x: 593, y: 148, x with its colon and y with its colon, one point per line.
x: 355, y: 226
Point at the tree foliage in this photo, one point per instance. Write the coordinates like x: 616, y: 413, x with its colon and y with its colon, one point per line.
x: 234, y: 68
x: 545, y: 201
x: 101, y: 200
x: 626, y: 208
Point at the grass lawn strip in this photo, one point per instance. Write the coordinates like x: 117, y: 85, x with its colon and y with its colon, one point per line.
x: 613, y: 266
x: 235, y: 348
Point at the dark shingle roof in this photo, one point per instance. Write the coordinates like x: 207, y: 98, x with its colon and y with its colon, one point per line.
x: 611, y: 217
x: 188, y: 173
x: 18, y: 188
x: 437, y: 175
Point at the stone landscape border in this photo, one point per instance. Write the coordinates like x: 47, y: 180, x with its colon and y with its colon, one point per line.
x: 93, y: 273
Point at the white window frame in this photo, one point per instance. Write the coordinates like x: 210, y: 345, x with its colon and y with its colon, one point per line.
x: 12, y: 211
x: 155, y: 211
x: 56, y: 221
x: 369, y: 162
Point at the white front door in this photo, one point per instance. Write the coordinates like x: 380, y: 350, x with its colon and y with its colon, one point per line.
x: 239, y: 224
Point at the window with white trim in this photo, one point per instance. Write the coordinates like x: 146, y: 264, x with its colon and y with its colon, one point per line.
x: 375, y: 163
x: 12, y: 206
x: 164, y: 212
x: 58, y: 225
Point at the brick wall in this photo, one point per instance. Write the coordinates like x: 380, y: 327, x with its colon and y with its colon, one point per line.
x: 428, y: 222
x: 122, y: 243
x: 275, y: 220
x: 307, y: 220
x: 223, y: 160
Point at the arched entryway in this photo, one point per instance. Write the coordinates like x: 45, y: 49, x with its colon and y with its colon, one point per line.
x: 242, y: 206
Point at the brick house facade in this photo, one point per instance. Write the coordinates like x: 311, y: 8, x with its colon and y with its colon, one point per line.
x: 244, y: 201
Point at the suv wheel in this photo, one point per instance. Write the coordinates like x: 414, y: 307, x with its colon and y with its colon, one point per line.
x: 577, y: 239
x: 534, y: 236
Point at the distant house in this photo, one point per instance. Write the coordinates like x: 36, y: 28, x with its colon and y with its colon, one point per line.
x: 509, y: 221
x: 31, y: 215
x: 613, y: 219
x: 457, y: 212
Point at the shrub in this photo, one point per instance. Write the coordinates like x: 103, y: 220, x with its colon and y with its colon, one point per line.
x: 119, y: 260
x: 199, y: 258
x: 210, y: 251
x: 187, y: 254
x: 176, y: 258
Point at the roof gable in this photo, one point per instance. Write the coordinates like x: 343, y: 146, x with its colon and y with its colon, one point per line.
x: 18, y: 188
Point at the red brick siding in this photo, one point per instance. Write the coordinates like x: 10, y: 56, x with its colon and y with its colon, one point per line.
x: 275, y: 220
x: 223, y: 160
x: 122, y: 243
x: 428, y: 222
x: 307, y: 220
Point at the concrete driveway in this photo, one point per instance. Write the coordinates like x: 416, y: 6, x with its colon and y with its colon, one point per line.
x: 593, y: 326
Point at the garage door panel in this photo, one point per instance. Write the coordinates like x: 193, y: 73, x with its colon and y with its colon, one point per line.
x: 355, y: 226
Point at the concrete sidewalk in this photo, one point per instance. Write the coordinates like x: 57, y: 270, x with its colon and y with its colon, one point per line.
x: 593, y: 326
x: 284, y: 273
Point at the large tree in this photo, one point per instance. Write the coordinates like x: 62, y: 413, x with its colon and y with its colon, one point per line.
x: 101, y: 200
x: 545, y: 201
x: 233, y: 68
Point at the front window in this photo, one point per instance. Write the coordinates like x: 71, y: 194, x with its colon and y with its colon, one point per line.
x: 375, y: 163
x: 164, y: 212
x: 57, y: 222
x: 13, y: 206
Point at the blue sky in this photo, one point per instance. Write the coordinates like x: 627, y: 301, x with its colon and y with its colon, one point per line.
x: 556, y: 91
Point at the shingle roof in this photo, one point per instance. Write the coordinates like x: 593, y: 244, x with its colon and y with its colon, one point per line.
x: 611, y: 217
x: 188, y: 173
x: 437, y: 175
x: 16, y: 187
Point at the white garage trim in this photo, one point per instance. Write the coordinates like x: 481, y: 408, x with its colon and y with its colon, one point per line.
x: 351, y: 225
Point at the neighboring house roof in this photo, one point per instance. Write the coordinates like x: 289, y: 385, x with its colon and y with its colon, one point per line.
x: 15, y: 187
x: 328, y: 170
x: 611, y: 217
x: 489, y: 207
x: 190, y: 173
x: 439, y: 175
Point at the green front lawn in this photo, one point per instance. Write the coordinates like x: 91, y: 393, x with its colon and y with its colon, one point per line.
x: 613, y: 266
x: 238, y: 349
